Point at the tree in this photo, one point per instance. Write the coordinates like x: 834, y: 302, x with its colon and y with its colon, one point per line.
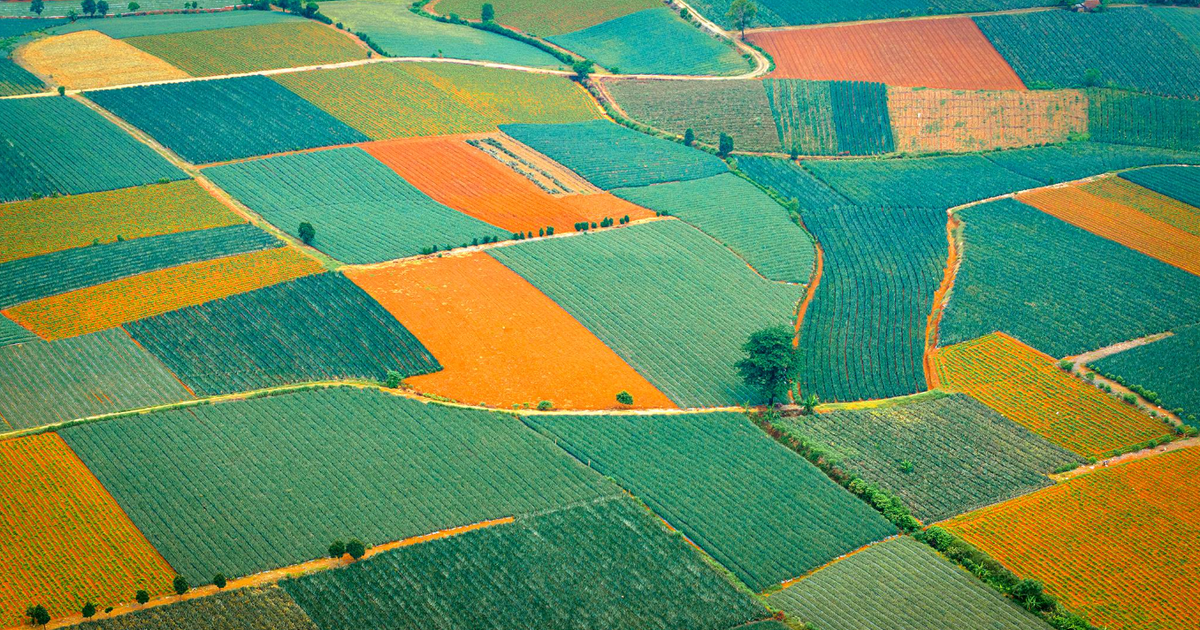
x: 337, y: 549
x: 772, y: 363
x: 1091, y: 77
x: 545, y: 405
x: 62, y: 90
x: 133, y: 7
x: 102, y: 8
x: 393, y: 378
x: 689, y: 137
x: 72, y: 15
x: 88, y: 6
x: 37, y: 6
x: 219, y: 580
x: 625, y: 398
x: 141, y: 596
x: 724, y: 145
x: 583, y: 69
x: 310, y: 9
x: 741, y: 13
x: 809, y: 403
x: 356, y: 548
x: 306, y: 232
x: 179, y: 584
x: 89, y: 610
x: 38, y: 615
x: 488, y: 13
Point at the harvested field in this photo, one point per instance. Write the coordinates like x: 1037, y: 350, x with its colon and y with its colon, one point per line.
x: 1119, y: 545
x: 708, y: 108
x: 1028, y: 388
x: 499, y: 340
x: 87, y: 59
x: 65, y: 539
x: 240, y: 609
x: 1124, y: 191
x: 941, y: 53
x: 548, y: 17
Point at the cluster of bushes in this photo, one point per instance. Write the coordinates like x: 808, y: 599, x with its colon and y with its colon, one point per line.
x: 354, y: 547
x: 516, y: 236
x: 583, y: 226
x: 39, y: 616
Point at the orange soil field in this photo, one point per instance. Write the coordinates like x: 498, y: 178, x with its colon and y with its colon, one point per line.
x: 1118, y: 222
x: 114, y: 303
x: 66, y: 541
x: 501, y: 341
x: 470, y: 181
x: 942, y: 53
x: 1120, y: 546
x: 936, y: 120
x: 88, y: 59
x: 1158, y: 206
x: 50, y: 224
x: 1027, y: 387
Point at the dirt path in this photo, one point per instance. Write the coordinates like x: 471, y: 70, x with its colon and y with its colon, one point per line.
x: 941, y: 298
x: 1127, y: 457
x: 1116, y: 348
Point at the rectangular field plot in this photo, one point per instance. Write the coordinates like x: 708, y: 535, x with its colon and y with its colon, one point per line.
x: 963, y: 454
x: 1058, y: 288
x: 86, y: 60
x: 1026, y: 387
x: 864, y: 332
x: 259, y: 608
x: 673, y: 303
x: 48, y: 382
x: 611, y: 156
x: 65, y: 540
x: 361, y: 211
x: 727, y: 486
x: 58, y: 145
x: 315, y: 328
x: 212, y: 121
x: 943, y: 53
x: 737, y: 213
x: 1121, y: 190
x: 1176, y: 182
x: 142, y: 25
x: 1128, y: 118
x: 605, y: 565
x: 291, y: 44
x: 800, y: 12
x: 1118, y: 546
x: 900, y: 584
x: 830, y: 117
x: 791, y: 181
x: 394, y: 100
x: 1078, y: 160
x: 932, y: 182
x: 499, y: 340
x: 548, y: 17
x: 1168, y: 367
x: 327, y: 464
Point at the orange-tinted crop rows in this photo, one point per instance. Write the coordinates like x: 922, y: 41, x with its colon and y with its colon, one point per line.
x: 500, y: 340
x: 1120, y: 546
x: 1118, y: 222
x: 470, y: 181
x: 1026, y: 387
x: 65, y: 540
x: 114, y: 303
x: 1157, y: 205
x: 943, y: 53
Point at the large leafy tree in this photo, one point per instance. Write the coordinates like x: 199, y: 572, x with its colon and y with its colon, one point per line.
x: 772, y: 362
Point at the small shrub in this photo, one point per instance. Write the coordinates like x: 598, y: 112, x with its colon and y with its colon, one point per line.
x: 337, y: 549
x: 141, y: 596
x: 89, y: 610
x: 180, y: 584
x: 393, y: 379
x: 356, y: 548
x: 545, y: 405
x: 219, y: 580
x: 306, y: 232
x: 624, y: 398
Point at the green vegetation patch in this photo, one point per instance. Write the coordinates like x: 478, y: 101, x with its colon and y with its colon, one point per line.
x: 934, y: 182
x: 790, y: 181
x: 15, y: 80
x: 547, y: 17
x: 654, y: 41
x: 737, y: 213
x: 267, y: 608
x: 315, y: 328
x: 1184, y: 20
x: 58, y: 145
x: 606, y: 565
x: 16, y: 28
x: 361, y: 210
x: 1127, y: 118
x: 942, y: 455
x: 896, y: 585
x: 1059, y: 288
x: 1077, y: 160
x: 762, y: 511
x: 44, y: 382
x: 676, y: 305
x: 796, y: 12
x: 142, y: 25
x: 1177, y: 182
x: 60, y: 8
x: 12, y: 332
x: 830, y: 117
x: 213, y: 121
x: 739, y: 109
x: 326, y: 464
x: 1169, y: 368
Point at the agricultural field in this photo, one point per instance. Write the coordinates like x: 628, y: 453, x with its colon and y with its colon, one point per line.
x: 637, y: 289
x: 1140, y: 119
x: 791, y: 181
x: 86, y: 59
x: 800, y: 12
x: 15, y: 80
x: 654, y: 41
x: 931, y: 182
x: 49, y: 148
x: 726, y: 486
x: 315, y: 328
x: 213, y: 510
x: 709, y: 108
x: 214, y: 121
x: 61, y: 8
x: 546, y: 17
x: 943, y: 455
x: 606, y: 565
x: 898, y: 584
x: 1078, y: 160
x: 241, y: 609
x: 1185, y: 21
x: 959, y: 121
x: 739, y: 215
x: 1176, y: 182
x: 944, y: 53
x: 1123, y: 191
x: 1028, y: 388
x: 1168, y: 367
x: 66, y: 541
x: 361, y: 211
x: 830, y: 117
x: 144, y: 25
x: 456, y: 304
x: 12, y: 332
x: 11, y: 29
x: 611, y: 156
x: 1118, y: 546
x: 1033, y: 276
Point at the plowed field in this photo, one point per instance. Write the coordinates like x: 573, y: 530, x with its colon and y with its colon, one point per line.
x: 88, y: 59
x: 927, y: 121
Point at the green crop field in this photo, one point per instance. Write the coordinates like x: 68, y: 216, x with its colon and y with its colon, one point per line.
x: 605, y: 565
x: 709, y: 108
x: 62, y: 8
x: 897, y: 585
x: 863, y: 335
x: 727, y: 486
x: 669, y: 300
x: 241, y: 609
x: 1077, y: 160
x: 212, y: 121
x: 49, y: 148
x: 960, y: 454
x: 1168, y: 367
x: 15, y: 80
x: 12, y: 332
x: 361, y: 210
x: 45, y: 382
x: 1034, y: 277
x: 796, y: 12
x: 1127, y: 118
x: 547, y: 17
x: 830, y: 117
x: 1060, y: 48
x: 327, y: 464
x: 16, y: 28
x: 611, y: 156
x: 741, y: 216
x: 1176, y: 182
x: 934, y: 182
x: 314, y: 328
x: 143, y: 25
x: 654, y: 41
x: 791, y: 181
x: 1184, y: 20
